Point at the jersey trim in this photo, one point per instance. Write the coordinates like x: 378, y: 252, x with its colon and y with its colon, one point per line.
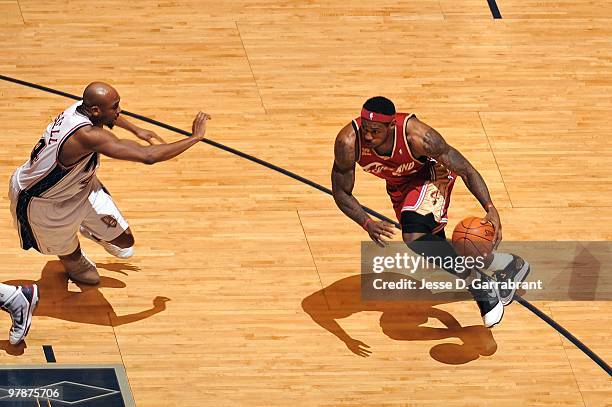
x: 358, y: 139
x: 92, y: 163
x: 68, y: 135
x: 24, y: 198
x: 76, y: 111
x: 405, y: 126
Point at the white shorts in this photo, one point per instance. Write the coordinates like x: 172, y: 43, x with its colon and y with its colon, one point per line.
x: 51, y: 226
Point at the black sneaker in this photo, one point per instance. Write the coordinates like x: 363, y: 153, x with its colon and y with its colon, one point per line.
x: 491, y: 307
x: 516, y: 272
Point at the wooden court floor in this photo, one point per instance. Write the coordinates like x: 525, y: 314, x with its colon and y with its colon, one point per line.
x: 211, y: 310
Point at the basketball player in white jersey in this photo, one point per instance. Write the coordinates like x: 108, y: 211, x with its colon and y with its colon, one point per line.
x: 56, y: 192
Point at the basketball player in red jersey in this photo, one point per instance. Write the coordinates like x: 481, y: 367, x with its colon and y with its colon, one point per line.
x: 420, y: 169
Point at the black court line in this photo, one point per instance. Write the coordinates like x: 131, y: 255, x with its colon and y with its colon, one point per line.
x: 49, y: 355
x: 599, y: 361
x: 494, y: 9
x: 207, y: 141
x: 565, y: 333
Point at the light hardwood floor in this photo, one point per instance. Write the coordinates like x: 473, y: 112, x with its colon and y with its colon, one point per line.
x: 209, y: 311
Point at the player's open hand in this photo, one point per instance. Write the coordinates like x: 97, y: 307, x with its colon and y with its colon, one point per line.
x: 380, y: 232
x: 149, y: 136
x: 493, y: 218
x: 358, y: 348
x: 198, y: 129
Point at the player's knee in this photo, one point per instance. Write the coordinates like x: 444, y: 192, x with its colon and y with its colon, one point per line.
x: 411, y: 237
x: 124, y: 240
x: 129, y: 240
x: 415, y: 225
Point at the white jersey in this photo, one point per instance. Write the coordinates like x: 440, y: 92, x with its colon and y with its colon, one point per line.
x: 43, y: 175
x: 50, y: 202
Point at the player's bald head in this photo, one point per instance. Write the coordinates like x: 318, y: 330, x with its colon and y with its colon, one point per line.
x: 101, y: 104
x: 99, y: 94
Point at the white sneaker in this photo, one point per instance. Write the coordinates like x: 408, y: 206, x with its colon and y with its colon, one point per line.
x: 82, y: 270
x: 21, y: 306
x: 110, y: 248
x: 490, y: 305
x: 493, y: 316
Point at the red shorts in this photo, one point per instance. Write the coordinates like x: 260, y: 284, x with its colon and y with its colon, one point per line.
x: 427, y: 191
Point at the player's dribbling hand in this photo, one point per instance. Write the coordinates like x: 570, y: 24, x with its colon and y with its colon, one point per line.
x: 493, y: 218
x: 198, y: 128
x: 380, y: 232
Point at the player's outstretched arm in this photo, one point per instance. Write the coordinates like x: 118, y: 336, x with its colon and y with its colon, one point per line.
x: 143, y: 134
x: 104, y: 142
x: 343, y: 181
x: 431, y: 144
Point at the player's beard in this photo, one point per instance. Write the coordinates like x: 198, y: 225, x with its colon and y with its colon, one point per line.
x: 111, y: 124
x: 96, y: 122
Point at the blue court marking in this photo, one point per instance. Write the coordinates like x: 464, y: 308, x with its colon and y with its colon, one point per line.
x: 49, y: 355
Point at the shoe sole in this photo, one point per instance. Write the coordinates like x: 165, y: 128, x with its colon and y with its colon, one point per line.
x: 520, y: 277
x: 35, y: 298
x: 500, y: 318
x: 502, y: 313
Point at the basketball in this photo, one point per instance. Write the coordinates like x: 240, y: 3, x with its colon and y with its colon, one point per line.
x: 472, y: 238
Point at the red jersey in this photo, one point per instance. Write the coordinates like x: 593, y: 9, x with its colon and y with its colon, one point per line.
x: 397, y: 168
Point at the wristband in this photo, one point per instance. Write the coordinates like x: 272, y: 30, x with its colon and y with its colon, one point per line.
x: 365, y: 224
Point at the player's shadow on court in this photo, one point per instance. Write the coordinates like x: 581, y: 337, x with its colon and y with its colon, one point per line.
x: 14, y: 350
x: 401, y: 320
x: 89, y: 306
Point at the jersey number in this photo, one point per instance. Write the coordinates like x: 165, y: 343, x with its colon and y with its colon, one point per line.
x: 37, y: 149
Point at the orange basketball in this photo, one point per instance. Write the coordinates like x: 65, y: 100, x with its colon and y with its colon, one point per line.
x: 471, y: 238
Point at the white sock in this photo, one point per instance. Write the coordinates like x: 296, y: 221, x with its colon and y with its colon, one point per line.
x: 500, y: 261
x: 6, y: 291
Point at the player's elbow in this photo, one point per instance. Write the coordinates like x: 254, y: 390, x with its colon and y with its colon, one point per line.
x: 337, y: 190
x: 314, y: 303
x: 339, y: 194
x: 468, y: 177
x: 149, y: 158
x: 336, y: 194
